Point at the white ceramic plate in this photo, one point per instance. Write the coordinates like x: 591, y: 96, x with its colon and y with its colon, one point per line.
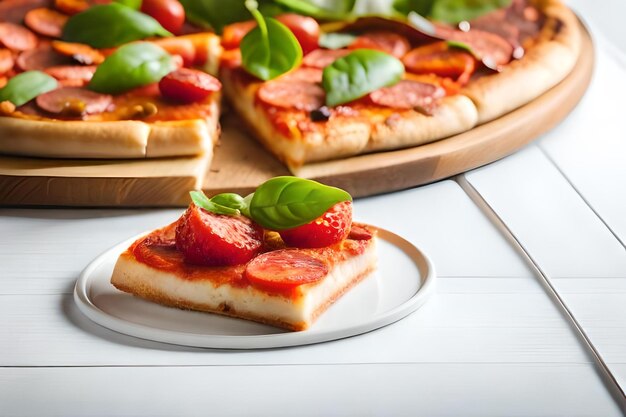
x: 403, y: 281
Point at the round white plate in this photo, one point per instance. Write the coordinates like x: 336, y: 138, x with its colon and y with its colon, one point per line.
x: 401, y: 284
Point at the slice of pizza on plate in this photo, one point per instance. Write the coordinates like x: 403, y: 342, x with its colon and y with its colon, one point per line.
x: 281, y: 256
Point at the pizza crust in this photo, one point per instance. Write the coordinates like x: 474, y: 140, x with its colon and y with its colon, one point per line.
x: 546, y: 63
x: 124, y: 139
x: 349, y: 136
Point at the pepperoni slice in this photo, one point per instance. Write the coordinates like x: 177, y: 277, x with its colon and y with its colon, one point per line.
x: 321, y: 58
x: 299, y: 95
x: 184, y: 47
x: 73, y: 101
x: 408, y: 94
x: 359, y: 233
x: 311, y: 75
x: 285, y: 269
x: 41, y: 58
x: 82, y: 73
x: 492, y: 49
x: 440, y: 59
x: 389, y: 42
x: 6, y: 61
x: 14, y: 10
x: 46, y: 22
x: 16, y: 37
x: 82, y: 53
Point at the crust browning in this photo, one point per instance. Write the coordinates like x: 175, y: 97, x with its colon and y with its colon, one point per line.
x: 546, y: 63
x: 352, y: 135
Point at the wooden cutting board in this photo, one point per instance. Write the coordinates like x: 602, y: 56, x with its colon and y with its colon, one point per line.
x: 240, y: 164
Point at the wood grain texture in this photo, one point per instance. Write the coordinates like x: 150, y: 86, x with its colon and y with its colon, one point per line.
x: 240, y: 164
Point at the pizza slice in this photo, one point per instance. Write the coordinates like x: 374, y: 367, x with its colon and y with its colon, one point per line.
x: 454, y: 78
x: 230, y: 264
x: 73, y: 86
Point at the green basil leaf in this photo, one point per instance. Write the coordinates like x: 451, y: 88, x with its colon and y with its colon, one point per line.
x: 26, y: 86
x: 231, y: 200
x: 132, y: 65
x: 321, y: 9
x: 421, y: 7
x: 359, y: 73
x: 461, y: 45
x: 133, y: 4
x: 287, y: 202
x: 455, y: 11
x: 336, y: 40
x: 270, y: 49
x: 201, y: 200
x: 215, y: 13
x: 109, y: 25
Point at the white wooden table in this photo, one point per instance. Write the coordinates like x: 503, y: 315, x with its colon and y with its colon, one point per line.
x: 529, y: 318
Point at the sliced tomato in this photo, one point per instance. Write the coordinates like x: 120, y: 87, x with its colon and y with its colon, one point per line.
x: 389, y: 42
x: 330, y: 228
x: 187, y: 85
x: 169, y: 13
x: 441, y: 59
x: 285, y: 269
x: 234, y: 33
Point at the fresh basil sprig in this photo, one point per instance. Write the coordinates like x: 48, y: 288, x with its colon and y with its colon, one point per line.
x: 336, y: 40
x: 287, y: 202
x: 270, y: 49
x: 133, y: 4
x: 26, y: 86
x: 132, y: 65
x: 109, y: 25
x: 321, y: 9
x: 215, y: 13
x: 359, y: 73
x: 209, y: 204
x: 449, y: 11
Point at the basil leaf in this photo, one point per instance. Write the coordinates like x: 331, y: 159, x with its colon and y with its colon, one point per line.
x: 461, y: 45
x: 421, y: 7
x: 270, y: 49
x: 133, y: 4
x: 231, y: 200
x: 26, y: 86
x: 201, y: 200
x: 336, y: 40
x: 109, y: 25
x: 455, y: 11
x: 321, y: 9
x: 131, y: 66
x: 287, y: 202
x: 215, y: 13
x: 359, y: 73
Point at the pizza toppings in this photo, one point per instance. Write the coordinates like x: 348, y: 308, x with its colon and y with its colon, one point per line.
x: 83, y: 54
x: 41, y: 58
x: 17, y: 38
x: 6, y: 61
x: 320, y: 115
x: 26, y: 86
x: 82, y: 74
x: 46, y: 22
x: 300, y: 95
x: 306, y: 30
x: 442, y: 59
x: 73, y: 102
x: 359, y: 233
x: 330, y: 228
x: 188, y: 85
x: 321, y: 58
x: 283, y: 270
x: 493, y: 50
x: 408, y: 94
x: 207, y: 238
x: 169, y: 13
x: 386, y: 41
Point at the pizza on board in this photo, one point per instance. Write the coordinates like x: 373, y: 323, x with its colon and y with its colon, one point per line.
x: 232, y: 265
x: 307, y: 92
x: 95, y: 100
x: 454, y: 78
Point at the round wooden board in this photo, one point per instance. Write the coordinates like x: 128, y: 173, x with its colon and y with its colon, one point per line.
x: 240, y: 164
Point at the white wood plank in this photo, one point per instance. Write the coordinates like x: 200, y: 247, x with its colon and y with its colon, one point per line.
x: 48, y: 330
x: 442, y: 220
x: 551, y: 220
x: 589, y: 146
x: 373, y: 390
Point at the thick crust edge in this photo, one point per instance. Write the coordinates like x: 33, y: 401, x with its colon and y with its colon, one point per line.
x: 545, y: 64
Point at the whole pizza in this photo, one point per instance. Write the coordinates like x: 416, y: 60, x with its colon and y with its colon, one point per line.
x: 312, y: 80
